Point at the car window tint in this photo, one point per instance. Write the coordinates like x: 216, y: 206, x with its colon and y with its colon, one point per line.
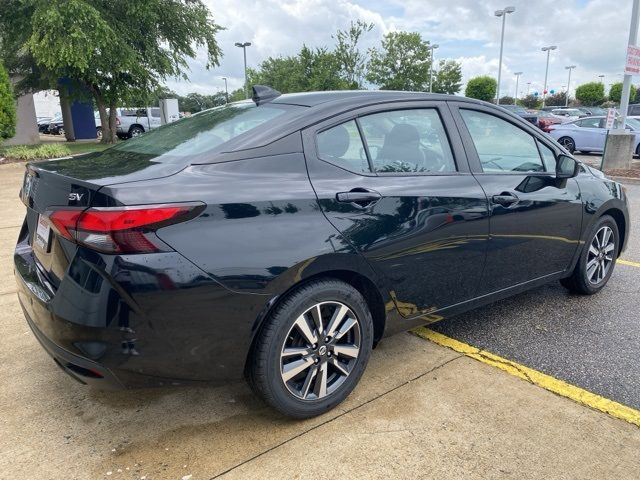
x: 501, y: 146
x: 342, y: 146
x: 406, y: 141
x: 548, y: 157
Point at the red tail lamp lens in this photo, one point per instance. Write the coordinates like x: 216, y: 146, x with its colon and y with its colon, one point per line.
x: 120, y: 229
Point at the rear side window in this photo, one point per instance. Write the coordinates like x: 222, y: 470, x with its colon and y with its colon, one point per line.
x: 342, y: 146
x: 204, y: 131
x: 589, y: 123
x: 502, y: 146
x: 407, y: 141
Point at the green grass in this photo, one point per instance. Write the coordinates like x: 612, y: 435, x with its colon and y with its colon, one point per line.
x: 50, y: 150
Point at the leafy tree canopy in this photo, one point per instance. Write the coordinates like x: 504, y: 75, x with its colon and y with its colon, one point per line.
x: 115, y: 49
x: 590, y: 94
x: 615, y: 92
x: 507, y: 100
x: 448, y: 78
x: 557, y: 99
x: 531, y: 101
x: 402, y: 63
x: 7, y: 107
x: 482, y: 88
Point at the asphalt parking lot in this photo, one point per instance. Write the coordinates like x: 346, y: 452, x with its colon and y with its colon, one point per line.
x: 421, y: 410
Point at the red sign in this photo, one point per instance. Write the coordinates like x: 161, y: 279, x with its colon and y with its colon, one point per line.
x: 633, y: 60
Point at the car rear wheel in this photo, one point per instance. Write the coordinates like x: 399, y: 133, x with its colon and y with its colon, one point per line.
x: 638, y: 150
x: 313, y: 349
x: 135, y: 131
x: 597, y: 260
x: 568, y: 143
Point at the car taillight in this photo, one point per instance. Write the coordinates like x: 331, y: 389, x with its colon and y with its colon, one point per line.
x: 120, y: 229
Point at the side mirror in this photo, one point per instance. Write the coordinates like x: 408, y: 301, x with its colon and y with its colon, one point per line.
x: 567, y: 167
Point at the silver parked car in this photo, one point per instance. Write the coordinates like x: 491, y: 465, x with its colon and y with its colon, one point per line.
x: 589, y: 134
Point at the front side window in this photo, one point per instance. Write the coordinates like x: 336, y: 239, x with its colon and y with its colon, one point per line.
x: 407, y: 141
x: 342, y: 146
x: 502, y: 146
x: 548, y: 157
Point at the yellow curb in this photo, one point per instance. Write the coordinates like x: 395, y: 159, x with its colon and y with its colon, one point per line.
x: 545, y: 381
x: 627, y: 262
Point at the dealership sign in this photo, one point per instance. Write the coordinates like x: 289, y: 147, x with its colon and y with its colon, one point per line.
x: 633, y: 60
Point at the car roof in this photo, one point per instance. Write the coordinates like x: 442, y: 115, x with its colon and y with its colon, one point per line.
x: 312, y: 99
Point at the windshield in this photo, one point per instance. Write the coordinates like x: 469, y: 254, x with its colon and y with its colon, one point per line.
x: 204, y: 131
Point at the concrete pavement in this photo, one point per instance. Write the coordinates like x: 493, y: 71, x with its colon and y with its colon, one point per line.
x: 421, y: 411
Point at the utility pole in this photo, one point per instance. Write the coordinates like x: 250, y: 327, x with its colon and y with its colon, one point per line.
x: 433, y: 47
x: 244, y: 46
x: 502, y: 13
x: 626, y: 84
x: 566, y: 97
x: 546, y: 72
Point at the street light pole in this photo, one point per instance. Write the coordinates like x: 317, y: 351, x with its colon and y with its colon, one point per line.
x: 244, y: 46
x: 517, y: 74
x: 546, y: 72
x: 502, y: 13
x: 601, y: 77
x: 626, y: 84
x: 226, y: 89
x: 528, y: 88
x: 433, y: 47
x: 566, y: 97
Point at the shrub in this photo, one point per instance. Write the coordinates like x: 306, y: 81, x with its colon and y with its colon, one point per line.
x: 39, y: 152
x: 7, y: 107
x: 590, y: 94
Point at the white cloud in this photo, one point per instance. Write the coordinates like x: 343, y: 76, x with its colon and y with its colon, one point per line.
x: 590, y: 34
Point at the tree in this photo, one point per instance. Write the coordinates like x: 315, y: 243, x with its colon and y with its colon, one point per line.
x: 196, y: 102
x: 557, y: 99
x: 402, y: 63
x: 116, y: 50
x: 448, y: 79
x: 482, y: 88
x: 7, y: 107
x: 507, y: 100
x: 531, y: 101
x: 636, y: 99
x: 615, y: 92
x: 590, y: 94
x: 309, y: 70
x: 351, y: 60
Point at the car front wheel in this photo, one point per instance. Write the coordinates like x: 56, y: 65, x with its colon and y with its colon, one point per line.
x: 597, y: 260
x: 313, y: 349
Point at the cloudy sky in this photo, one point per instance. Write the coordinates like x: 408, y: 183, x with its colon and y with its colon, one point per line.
x: 591, y: 34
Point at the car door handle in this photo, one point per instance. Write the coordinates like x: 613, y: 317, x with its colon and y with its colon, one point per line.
x: 360, y: 196
x: 505, y: 199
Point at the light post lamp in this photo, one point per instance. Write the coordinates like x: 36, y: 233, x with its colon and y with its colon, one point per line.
x: 226, y: 89
x: 517, y: 74
x: 433, y: 47
x: 601, y: 77
x: 546, y: 72
x: 566, y: 99
x: 244, y: 46
x: 502, y: 13
x: 528, y: 87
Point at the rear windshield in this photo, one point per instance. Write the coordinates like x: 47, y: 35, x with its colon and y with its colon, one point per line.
x: 204, y: 131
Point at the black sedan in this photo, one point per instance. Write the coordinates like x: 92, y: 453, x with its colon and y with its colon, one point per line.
x: 281, y: 239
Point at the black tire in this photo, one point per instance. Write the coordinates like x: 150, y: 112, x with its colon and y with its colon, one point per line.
x: 267, y: 367
x: 581, y: 280
x: 135, y: 131
x: 98, y: 132
x: 568, y: 143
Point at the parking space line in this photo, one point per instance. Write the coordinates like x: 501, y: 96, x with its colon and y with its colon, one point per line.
x: 535, y: 377
x: 628, y: 262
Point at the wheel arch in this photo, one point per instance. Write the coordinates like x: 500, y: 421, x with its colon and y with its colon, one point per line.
x: 366, y: 286
x: 621, y: 223
x: 136, y: 125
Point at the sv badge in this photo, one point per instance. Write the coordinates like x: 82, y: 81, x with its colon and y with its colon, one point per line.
x: 75, y: 197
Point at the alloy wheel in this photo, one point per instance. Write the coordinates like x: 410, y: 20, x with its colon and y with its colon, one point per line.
x: 600, y: 256
x: 568, y: 143
x: 320, y: 350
